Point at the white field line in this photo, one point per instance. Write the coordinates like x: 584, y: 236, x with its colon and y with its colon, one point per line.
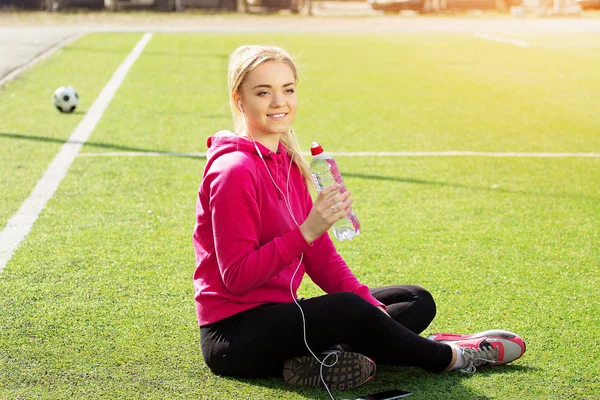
x: 20, y: 224
x: 368, y: 154
x: 15, y: 72
x: 501, y: 39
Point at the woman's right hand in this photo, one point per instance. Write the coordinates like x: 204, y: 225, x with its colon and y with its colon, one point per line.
x: 329, y: 207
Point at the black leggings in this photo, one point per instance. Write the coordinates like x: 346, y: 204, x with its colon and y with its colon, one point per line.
x: 256, y: 342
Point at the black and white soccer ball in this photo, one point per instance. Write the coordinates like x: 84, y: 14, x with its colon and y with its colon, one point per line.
x: 65, y: 99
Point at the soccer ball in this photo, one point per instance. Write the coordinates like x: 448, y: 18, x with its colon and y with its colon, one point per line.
x: 65, y: 99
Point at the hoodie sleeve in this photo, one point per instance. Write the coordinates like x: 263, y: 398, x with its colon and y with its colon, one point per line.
x: 243, y: 264
x: 328, y: 269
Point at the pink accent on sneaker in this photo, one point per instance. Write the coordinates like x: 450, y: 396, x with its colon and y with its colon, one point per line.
x: 446, y: 337
x: 489, y: 351
x: 373, y: 370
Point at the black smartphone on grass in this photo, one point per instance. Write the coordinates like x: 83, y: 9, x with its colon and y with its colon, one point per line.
x: 387, y: 395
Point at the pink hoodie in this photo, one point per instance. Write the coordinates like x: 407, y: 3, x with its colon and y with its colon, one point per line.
x: 247, y: 245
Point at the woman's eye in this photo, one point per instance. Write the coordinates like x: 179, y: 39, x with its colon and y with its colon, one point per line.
x: 290, y: 90
x: 262, y: 93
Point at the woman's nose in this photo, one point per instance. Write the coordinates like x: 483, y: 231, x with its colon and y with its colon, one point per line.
x: 277, y: 100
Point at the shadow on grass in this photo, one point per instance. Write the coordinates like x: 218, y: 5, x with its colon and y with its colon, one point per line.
x: 278, y: 385
x: 462, y: 186
x: 423, y: 385
x: 506, y: 370
x: 76, y: 112
x: 19, y: 136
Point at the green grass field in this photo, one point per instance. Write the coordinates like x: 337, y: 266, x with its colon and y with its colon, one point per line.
x: 98, y: 301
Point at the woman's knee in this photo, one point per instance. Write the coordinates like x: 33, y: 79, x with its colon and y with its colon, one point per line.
x: 424, y: 301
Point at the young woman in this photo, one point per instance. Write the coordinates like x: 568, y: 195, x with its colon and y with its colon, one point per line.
x: 258, y: 232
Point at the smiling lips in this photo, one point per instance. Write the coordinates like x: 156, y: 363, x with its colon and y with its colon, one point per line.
x: 277, y: 117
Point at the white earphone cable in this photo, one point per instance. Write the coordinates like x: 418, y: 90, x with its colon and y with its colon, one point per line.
x: 289, y: 207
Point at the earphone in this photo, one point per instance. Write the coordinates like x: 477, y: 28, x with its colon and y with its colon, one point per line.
x: 289, y: 208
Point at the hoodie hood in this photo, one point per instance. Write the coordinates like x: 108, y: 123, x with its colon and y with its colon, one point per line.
x: 224, y: 142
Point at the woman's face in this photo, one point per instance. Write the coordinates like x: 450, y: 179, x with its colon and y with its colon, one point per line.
x: 268, y: 98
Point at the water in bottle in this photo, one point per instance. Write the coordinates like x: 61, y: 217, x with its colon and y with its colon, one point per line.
x: 325, y: 172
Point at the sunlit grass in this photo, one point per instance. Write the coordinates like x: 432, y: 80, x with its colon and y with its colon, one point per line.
x: 31, y: 129
x: 98, y: 301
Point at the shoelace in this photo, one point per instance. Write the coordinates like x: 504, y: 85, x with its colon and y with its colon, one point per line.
x: 477, y: 357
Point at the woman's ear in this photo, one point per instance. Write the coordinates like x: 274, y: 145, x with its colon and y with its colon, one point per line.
x: 237, y: 99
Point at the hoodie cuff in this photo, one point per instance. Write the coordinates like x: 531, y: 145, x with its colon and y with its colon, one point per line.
x: 293, y: 245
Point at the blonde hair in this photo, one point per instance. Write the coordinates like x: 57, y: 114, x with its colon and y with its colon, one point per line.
x: 243, y: 61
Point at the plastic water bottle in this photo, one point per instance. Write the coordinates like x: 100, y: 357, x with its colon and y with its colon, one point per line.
x: 325, y: 172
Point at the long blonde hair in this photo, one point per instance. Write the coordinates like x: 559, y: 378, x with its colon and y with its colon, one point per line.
x: 243, y: 61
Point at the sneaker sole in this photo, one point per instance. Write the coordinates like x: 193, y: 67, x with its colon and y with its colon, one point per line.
x: 443, y: 337
x: 493, y: 333
x: 350, y: 370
